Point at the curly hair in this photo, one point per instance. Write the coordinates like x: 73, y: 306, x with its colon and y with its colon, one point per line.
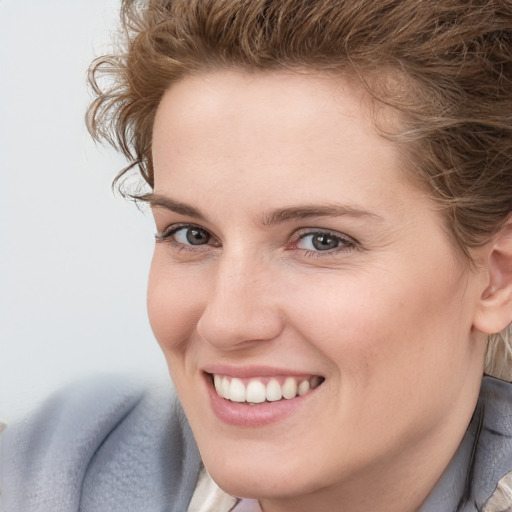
x: 444, y: 65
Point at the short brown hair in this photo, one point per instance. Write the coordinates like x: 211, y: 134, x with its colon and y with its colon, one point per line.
x: 450, y: 62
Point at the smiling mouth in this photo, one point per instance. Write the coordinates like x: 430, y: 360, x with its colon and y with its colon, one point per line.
x: 257, y: 391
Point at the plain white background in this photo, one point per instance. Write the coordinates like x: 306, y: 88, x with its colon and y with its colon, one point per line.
x: 73, y: 258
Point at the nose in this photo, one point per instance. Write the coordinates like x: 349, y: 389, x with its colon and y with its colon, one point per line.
x: 242, y: 304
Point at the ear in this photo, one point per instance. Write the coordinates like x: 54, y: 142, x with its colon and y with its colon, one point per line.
x: 494, y: 311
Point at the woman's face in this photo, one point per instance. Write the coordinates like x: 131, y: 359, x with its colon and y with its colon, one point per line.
x: 293, y: 257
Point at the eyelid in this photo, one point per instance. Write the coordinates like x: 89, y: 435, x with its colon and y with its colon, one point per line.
x: 167, y: 234
x: 303, y: 232
x: 173, y: 228
x: 170, y: 230
x: 349, y: 243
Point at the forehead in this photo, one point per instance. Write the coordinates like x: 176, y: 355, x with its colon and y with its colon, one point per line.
x: 234, y: 93
x: 285, y: 137
x: 261, y: 111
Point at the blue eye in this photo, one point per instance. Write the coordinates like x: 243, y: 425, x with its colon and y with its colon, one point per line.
x: 191, y: 235
x: 322, y: 241
x: 187, y: 235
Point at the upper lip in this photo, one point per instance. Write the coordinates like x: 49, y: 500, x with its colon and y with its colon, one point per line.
x: 254, y: 371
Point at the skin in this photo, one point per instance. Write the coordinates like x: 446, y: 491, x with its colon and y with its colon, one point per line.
x: 387, y: 317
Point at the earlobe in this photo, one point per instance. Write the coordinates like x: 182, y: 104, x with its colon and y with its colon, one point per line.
x: 494, y: 311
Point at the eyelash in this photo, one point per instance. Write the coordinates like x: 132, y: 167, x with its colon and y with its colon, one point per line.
x: 167, y: 237
x: 345, y: 242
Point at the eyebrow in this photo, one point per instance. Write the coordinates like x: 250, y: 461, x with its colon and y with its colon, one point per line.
x: 307, y: 211
x: 160, y: 201
x: 270, y: 218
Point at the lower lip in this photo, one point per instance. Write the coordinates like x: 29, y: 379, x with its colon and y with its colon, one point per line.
x: 244, y: 415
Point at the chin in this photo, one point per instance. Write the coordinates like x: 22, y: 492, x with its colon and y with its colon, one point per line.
x: 255, y: 484
x: 263, y: 477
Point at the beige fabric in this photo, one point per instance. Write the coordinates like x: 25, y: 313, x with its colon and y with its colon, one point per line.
x: 209, y: 497
x: 501, y: 499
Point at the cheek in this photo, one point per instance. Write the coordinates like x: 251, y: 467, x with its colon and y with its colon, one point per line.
x: 387, y: 343
x: 372, y: 324
x: 174, y: 305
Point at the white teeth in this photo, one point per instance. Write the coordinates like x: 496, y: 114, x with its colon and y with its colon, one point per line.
x: 290, y: 388
x: 225, y: 388
x: 256, y: 392
x: 237, y: 391
x: 274, y: 392
x: 303, y: 387
x: 217, y: 381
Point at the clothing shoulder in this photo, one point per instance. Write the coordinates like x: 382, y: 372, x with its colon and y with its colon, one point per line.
x: 492, y: 475
x: 107, y: 444
x: 476, y: 478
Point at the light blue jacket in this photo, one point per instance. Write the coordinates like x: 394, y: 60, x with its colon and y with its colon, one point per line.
x: 106, y: 445
x: 110, y: 445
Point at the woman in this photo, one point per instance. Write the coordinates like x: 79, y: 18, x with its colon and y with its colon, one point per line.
x: 331, y: 184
